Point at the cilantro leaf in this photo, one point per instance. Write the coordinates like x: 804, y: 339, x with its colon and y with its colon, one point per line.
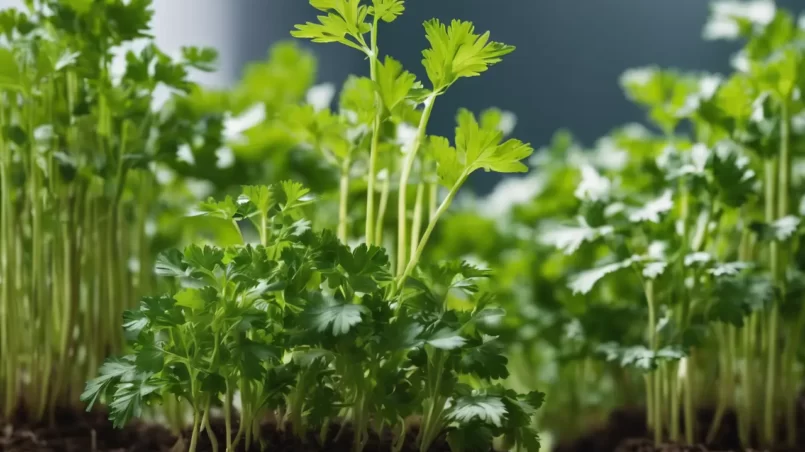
x: 446, y: 339
x: 639, y: 357
x: 456, y: 51
x: 387, y: 10
x: 570, y: 238
x: 394, y: 83
x: 476, y: 148
x: 259, y: 195
x: 651, y: 211
x: 206, y: 258
x: 171, y: 263
x: 486, y: 360
x: 112, y: 371
x: 326, y: 314
x: 584, y: 282
x: 780, y: 231
x: 482, y: 408
x: 201, y: 58
x: 345, y: 23
x: 190, y: 298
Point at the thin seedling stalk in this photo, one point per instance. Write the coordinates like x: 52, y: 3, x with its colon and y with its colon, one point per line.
x: 376, y: 125
x: 405, y: 174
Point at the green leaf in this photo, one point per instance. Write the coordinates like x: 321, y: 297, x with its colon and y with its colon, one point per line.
x: 326, y: 314
x: 170, y: 263
x: 487, y: 409
x: 358, y: 99
x: 446, y: 339
x: 639, y: 357
x: 780, y: 231
x: 387, y: 10
x: 201, y: 58
x: 448, y: 167
x: 134, y: 321
x: 584, y: 282
x: 344, y: 23
x: 486, y: 361
x: 570, y: 238
x: 129, y: 399
x: 456, y: 52
x: 294, y: 193
x: 190, y: 298
x: 79, y: 6
x: 150, y: 359
x: 394, y: 83
x: 470, y: 438
x: 207, y: 258
x: 651, y: 212
x: 10, y: 75
x: 259, y: 195
x: 476, y: 148
x: 482, y: 148
x: 112, y: 371
x: 226, y: 209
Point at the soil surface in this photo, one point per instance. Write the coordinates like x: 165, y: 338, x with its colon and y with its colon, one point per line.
x: 626, y: 431
x: 92, y: 432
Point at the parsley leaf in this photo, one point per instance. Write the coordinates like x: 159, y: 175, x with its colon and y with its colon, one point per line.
x: 457, y: 51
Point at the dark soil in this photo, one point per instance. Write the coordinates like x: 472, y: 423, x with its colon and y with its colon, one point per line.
x: 625, y: 431
x: 92, y: 432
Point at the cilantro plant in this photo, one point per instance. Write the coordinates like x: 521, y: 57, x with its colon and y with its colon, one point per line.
x: 701, y: 227
x: 304, y: 324
x: 79, y: 128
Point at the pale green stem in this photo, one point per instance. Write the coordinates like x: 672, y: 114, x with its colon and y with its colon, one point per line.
x: 376, y: 125
x: 416, y: 224
x: 343, y: 194
x: 428, y: 231
x: 381, y: 212
x: 774, y: 313
x: 405, y: 174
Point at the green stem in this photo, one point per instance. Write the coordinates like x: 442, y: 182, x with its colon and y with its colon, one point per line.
x: 381, y: 212
x: 416, y: 224
x: 405, y: 174
x: 208, y: 427
x: 654, y: 420
x: 228, y: 416
x: 774, y: 314
x: 194, y: 434
x: 673, y: 392
x: 428, y: 231
x: 689, y: 405
x: 343, y: 199
x: 376, y: 125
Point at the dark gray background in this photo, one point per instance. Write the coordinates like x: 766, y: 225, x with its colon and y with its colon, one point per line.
x: 564, y: 73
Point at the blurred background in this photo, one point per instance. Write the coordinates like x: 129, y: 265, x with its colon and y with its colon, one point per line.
x: 564, y: 73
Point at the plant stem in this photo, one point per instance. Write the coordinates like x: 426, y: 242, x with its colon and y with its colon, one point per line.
x: 689, y: 407
x: 343, y: 196
x: 370, y: 189
x: 405, y: 174
x: 673, y: 391
x: 228, y: 416
x: 653, y: 393
x: 771, y: 332
x: 194, y: 434
x: 416, y: 224
x: 428, y: 231
x: 381, y: 212
x: 208, y: 427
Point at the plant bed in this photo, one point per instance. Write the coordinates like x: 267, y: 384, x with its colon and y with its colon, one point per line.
x: 626, y: 431
x: 75, y: 431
